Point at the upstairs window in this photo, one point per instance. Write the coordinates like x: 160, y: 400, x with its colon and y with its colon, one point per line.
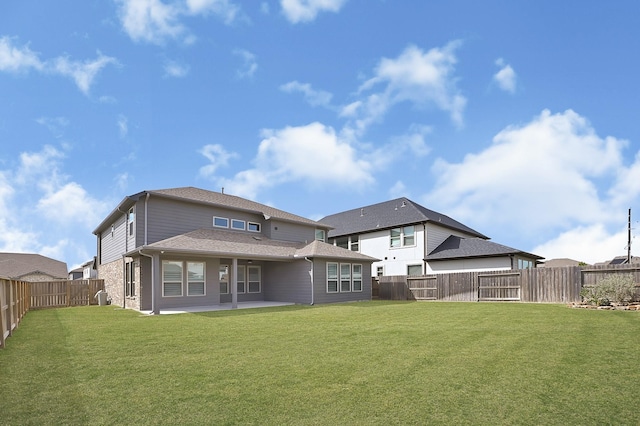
x: 238, y: 224
x: 131, y: 218
x: 320, y: 235
x: 355, y: 243
x: 254, y: 227
x: 220, y: 222
x: 402, y: 237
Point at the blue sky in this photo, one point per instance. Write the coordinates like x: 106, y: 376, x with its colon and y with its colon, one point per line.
x: 516, y: 118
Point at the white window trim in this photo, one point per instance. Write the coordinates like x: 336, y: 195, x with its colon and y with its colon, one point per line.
x: 238, y: 221
x: 227, y: 281
x: 244, y: 281
x: 415, y: 264
x: 350, y: 278
x: 204, y: 278
x: 248, y: 281
x: 337, y: 278
x: 181, y: 279
x: 402, y: 237
x: 220, y: 226
x: 353, y: 279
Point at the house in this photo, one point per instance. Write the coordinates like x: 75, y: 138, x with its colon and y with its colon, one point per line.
x: 561, y: 263
x: 31, y: 267
x: 410, y: 239
x: 76, y: 273
x: 621, y: 260
x: 188, y: 247
x: 86, y: 271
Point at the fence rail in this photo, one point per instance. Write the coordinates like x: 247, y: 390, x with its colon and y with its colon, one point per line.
x: 18, y: 297
x: 544, y: 285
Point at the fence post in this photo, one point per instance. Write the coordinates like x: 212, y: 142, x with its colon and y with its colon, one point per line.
x: 3, y: 285
x: 68, y: 293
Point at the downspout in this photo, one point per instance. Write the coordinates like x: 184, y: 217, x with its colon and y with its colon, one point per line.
x: 424, y: 237
x: 153, y: 285
x: 311, y: 275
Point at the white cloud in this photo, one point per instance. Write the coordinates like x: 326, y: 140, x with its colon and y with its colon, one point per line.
x: 399, y: 189
x: 422, y: 78
x: 505, y: 77
x: 249, y: 64
x: 56, y: 125
x: 17, y: 59
x: 225, y: 9
x: 410, y: 145
x: 536, y: 179
x: 175, y: 69
x: 151, y: 21
x: 217, y: 156
x: 154, y: 21
x: 312, y: 154
x: 123, y: 125
x: 590, y: 244
x: 70, y: 205
x: 307, y: 10
x: 312, y: 96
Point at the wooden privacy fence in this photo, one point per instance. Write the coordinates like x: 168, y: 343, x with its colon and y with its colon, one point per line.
x: 18, y: 297
x: 544, y: 285
x: 14, y: 304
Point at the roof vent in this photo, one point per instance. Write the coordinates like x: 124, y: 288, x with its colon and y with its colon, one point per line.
x: 361, y: 212
x: 404, y: 203
x: 257, y: 238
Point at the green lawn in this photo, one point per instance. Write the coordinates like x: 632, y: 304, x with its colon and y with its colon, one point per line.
x: 359, y: 363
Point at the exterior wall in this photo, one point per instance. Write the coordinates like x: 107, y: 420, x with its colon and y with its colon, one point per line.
x: 470, y: 265
x: 39, y: 276
x: 437, y: 234
x: 285, y: 231
x: 288, y: 282
x: 113, y: 275
x: 212, y: 287
x: 394, y: 260
x: 112, y: 247
x: 168, y: 218
x: 320, y: 284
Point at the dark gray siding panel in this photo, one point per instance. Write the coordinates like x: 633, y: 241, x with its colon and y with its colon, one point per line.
x: 112, y: 247
x: 145, y: 283
x: 288, y: 282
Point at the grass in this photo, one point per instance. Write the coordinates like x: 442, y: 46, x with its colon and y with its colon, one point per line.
x: 360, y: 363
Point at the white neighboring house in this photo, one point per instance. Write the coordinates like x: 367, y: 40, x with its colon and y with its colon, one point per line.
x: 413, y: 240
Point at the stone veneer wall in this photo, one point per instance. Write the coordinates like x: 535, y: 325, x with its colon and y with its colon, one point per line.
x: 113, y: 275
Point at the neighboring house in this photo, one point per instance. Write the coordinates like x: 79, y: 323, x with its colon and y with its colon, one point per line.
x: 184, y: 247
x: 621, y: 260
x: 410, y: 239
x: 561, y: 262
x: 86, y: 271
x: 31, y: 267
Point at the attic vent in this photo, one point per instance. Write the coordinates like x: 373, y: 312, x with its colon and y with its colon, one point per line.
x: 404, y: 204
x: 257, y: 238
x: 361, y: 212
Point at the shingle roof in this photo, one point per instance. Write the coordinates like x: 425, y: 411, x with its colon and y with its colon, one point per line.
x: 204, y: 196
x: 240, y: 244
x: 18, y: 265
x: 389, y: 214
x: 460, y: 248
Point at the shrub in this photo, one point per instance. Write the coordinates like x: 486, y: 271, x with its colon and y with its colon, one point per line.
x: 616, y: 288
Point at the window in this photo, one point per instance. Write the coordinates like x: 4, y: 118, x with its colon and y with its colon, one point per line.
x: 332, y: 277
x: 357, y: 277
x: 131, y: 219
x: 414, y: 270
x: 241, y: 279
x: 130, y: 278
x: 171, y: 278
x: 221, y: 222
x: 237, y: 224
x: 320, y: 235
x: 224, y: 279
x: 395, y: 237
x: 342, y: 242
x: 195, y: 279
x: 345, y: 277
x: 254, y: 227
x: 525, y: 264
x: 379, y: 271
x: 253, y: 273
x: 408, y: 236
x: 401, y: 237
x: 355, y: 243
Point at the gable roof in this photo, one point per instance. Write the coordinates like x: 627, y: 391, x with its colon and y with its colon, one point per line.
x: 240, y: 244
x: 461, y: 248
x: 389, y: 214
x: 203, y: 196
x: 18, y: 265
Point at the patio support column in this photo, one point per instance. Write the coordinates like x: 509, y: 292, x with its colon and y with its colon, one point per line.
x: 156, y: 287
x: 234, y: 283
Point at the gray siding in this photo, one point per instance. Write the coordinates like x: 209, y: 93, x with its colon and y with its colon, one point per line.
x: 286, y: 231
x: 168, y: 218
x: 288, y: 282
x: 112, y: 247
x: 212, y: 289
x: 437, y: 234
x: 320, y: 284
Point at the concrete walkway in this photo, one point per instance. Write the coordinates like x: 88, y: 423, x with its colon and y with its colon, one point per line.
x: 220, y: 307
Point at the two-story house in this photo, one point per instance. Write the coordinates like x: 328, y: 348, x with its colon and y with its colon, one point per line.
x: 187, y: 247
x: 410, y: 239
